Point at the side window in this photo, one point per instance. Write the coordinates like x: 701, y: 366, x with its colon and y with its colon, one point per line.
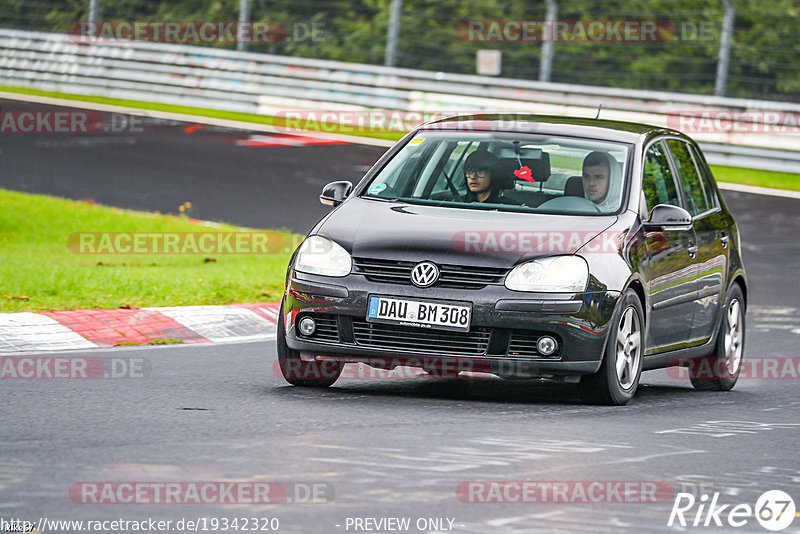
x: 657, y: 183
x: 706, y: 177
x: 696, y: 201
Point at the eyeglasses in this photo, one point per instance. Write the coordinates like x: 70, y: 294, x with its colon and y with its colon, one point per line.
x: 481, y: 173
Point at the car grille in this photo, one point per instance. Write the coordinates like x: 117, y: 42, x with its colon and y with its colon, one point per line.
x: 422, y: 340
x: 452, y: 276
x: 327, y: 329
x: 523, y: 343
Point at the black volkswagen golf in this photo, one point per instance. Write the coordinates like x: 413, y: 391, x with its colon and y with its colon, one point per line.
x: 523, y: 246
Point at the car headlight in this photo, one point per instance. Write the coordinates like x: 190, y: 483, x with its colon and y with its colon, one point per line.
x: 555, y: 274
x: 318, y: 255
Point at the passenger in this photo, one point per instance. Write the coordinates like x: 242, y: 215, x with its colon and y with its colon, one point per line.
x: 596, y: 180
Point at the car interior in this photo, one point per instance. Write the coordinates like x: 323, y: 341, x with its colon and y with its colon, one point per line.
x: 435, y: 172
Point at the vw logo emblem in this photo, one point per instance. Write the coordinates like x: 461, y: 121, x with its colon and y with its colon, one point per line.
x: 424, y: 274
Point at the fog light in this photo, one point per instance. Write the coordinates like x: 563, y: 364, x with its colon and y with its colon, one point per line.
x: 307, y: 326
x: 546, y: 345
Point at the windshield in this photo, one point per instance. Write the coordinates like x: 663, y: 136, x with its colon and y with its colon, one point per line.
x: 506, y: 171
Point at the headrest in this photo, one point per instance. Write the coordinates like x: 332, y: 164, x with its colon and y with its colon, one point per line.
x: 574, y: 187
x: 540, y: 168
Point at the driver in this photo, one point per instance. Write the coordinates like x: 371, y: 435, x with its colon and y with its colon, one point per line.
x: 596, y: 179
x: 479, y: 167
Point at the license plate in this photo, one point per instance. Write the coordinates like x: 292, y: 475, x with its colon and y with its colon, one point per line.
x: 421, y: 314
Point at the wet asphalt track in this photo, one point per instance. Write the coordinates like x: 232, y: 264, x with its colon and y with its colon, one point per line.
x: 386, y: 448
x: 158, y: 165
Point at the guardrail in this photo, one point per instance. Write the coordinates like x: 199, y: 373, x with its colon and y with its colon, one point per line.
x: 269, y: 84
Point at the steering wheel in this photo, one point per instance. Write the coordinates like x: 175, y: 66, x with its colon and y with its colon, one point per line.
x: 570, y: 204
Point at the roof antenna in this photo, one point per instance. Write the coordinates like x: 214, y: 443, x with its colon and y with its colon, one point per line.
x: 600, y: 107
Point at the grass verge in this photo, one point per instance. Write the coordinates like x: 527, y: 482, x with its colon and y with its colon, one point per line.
x: 39, y: 273
x: 776, y: 180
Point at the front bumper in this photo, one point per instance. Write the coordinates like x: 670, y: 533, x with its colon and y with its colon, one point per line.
x: 503, y: 328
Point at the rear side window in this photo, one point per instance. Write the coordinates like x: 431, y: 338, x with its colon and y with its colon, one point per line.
x: 658, y: 184
x: 705, y: 176
x: 691, y: 184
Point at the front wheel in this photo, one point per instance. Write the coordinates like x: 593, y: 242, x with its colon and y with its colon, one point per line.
x: 720, y: 370
x: 616, y: 381
x: 298, y: 372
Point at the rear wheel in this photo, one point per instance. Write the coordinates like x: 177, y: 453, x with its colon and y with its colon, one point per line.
x: 296, y: 371
x: 616, y: 381
x: 720, y: 370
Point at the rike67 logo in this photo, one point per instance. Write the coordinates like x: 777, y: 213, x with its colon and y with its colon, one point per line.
x: 774, y: 510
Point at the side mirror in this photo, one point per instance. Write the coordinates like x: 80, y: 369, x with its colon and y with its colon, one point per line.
x: 334, y: 193
x: 667, y: 215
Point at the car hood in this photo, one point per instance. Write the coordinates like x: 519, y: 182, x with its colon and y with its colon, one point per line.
x: 398, y: 231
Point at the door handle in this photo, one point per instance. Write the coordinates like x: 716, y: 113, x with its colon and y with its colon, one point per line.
x: 692, y: 251
x: 724, y: 240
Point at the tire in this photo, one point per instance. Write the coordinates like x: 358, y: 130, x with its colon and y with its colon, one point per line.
x: 308, y: 374
x: 720, y: 370
x: 616, y: 381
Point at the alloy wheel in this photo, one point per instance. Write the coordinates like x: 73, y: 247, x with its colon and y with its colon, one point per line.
x: 628, y: 353
x: 733, y: 337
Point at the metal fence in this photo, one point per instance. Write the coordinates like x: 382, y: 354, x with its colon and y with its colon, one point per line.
x: 738, y: 48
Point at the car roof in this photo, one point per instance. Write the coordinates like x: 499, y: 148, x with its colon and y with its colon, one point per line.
x: 609, y: 130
